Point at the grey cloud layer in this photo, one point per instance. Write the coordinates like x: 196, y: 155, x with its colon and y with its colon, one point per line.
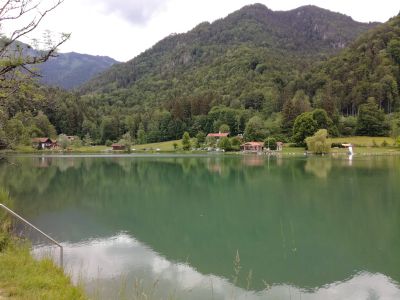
x: 134, y: 11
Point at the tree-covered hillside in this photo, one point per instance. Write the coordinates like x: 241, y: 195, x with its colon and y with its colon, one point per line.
x: 264, y: 36
x: 368, y: 68
x: 256, y: 72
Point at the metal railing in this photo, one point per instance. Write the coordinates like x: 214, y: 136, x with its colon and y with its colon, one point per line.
x: 38, y: 230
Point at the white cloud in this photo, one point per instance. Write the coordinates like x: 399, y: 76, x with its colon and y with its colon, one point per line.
x: 137, y: 12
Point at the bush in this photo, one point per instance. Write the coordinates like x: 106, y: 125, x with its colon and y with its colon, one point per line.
x: 347, y: 126
x: 235, y: 143
x: 186, y: 141
x: 63, y: 141
x: 201, y: 137
x: 397, y: 142
x: 317, y: 143
x: 77, y: 142
x: 108, y: 143
x: 225, y: 144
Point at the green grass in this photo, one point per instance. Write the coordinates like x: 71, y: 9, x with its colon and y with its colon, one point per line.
x: 23, y: 277
x: 89, y: 149
x: 363, y: 141
x: 83, y: 149
x: 163, y: 146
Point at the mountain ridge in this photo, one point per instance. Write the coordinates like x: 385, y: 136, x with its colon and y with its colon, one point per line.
x: 307, y: 31
x: 71, y: 69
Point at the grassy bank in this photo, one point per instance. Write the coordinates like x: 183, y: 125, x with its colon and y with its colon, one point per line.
x: 365, y: 141
x: 23, y: 277
x: 362, y: 144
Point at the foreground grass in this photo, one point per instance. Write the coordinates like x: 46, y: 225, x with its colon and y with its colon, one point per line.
x: 23, y: 277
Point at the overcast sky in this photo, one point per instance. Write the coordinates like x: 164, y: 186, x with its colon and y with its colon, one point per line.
x: 124, y: 28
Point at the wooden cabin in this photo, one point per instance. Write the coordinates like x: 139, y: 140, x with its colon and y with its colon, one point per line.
x: 44, y: 143
x: 118, y: 147
x: 252, y: 147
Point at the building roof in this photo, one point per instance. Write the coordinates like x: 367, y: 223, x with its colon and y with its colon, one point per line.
x: 41, y: 140
x: 117, y: 145
x: 253, y: 144
x: 221, y: 134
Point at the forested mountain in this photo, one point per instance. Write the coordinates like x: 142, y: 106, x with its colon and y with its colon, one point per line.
x: 266, y: 39
x: 370, y: 67
x: 257, y: 72
x: 225, y: 72
x: 70, y: 70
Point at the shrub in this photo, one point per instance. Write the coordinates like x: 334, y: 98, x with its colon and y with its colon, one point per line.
x: 201, y: 137
x: 186, y: 141
x: 235, y: 144
x: 225, y: 144
x: 317, y: 143
x: 77, y: 142
x: 63, y: 141
x: 397, y: 142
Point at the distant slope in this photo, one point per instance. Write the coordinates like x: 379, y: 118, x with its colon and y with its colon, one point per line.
x: 70, y: 70
x: 277, y: 39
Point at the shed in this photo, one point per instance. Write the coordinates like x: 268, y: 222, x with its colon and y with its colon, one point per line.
x: 117, y: 147
x: 252, y: 147
x: 43, y: 143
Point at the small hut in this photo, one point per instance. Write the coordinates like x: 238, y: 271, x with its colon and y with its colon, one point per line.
x: 118, y: 147
x: 43, y: 143
x: 252, y: 147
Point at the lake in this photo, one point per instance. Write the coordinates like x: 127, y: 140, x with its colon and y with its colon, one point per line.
x: 218, y: 226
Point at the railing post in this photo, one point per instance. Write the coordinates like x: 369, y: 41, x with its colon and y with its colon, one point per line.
x: 38, y: 230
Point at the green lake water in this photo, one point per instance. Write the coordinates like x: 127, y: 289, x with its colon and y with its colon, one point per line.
x: 303, y: 227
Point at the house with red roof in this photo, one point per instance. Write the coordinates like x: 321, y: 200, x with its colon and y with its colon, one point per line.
x: 252, y: 147
x: 218, y: 135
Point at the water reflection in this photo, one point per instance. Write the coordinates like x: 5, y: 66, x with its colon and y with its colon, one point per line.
x: 103, y: 264
x: 307, y: 225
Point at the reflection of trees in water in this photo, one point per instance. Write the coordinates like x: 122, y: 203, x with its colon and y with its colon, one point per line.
x: 278, y: 214
x: 318, y: 167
